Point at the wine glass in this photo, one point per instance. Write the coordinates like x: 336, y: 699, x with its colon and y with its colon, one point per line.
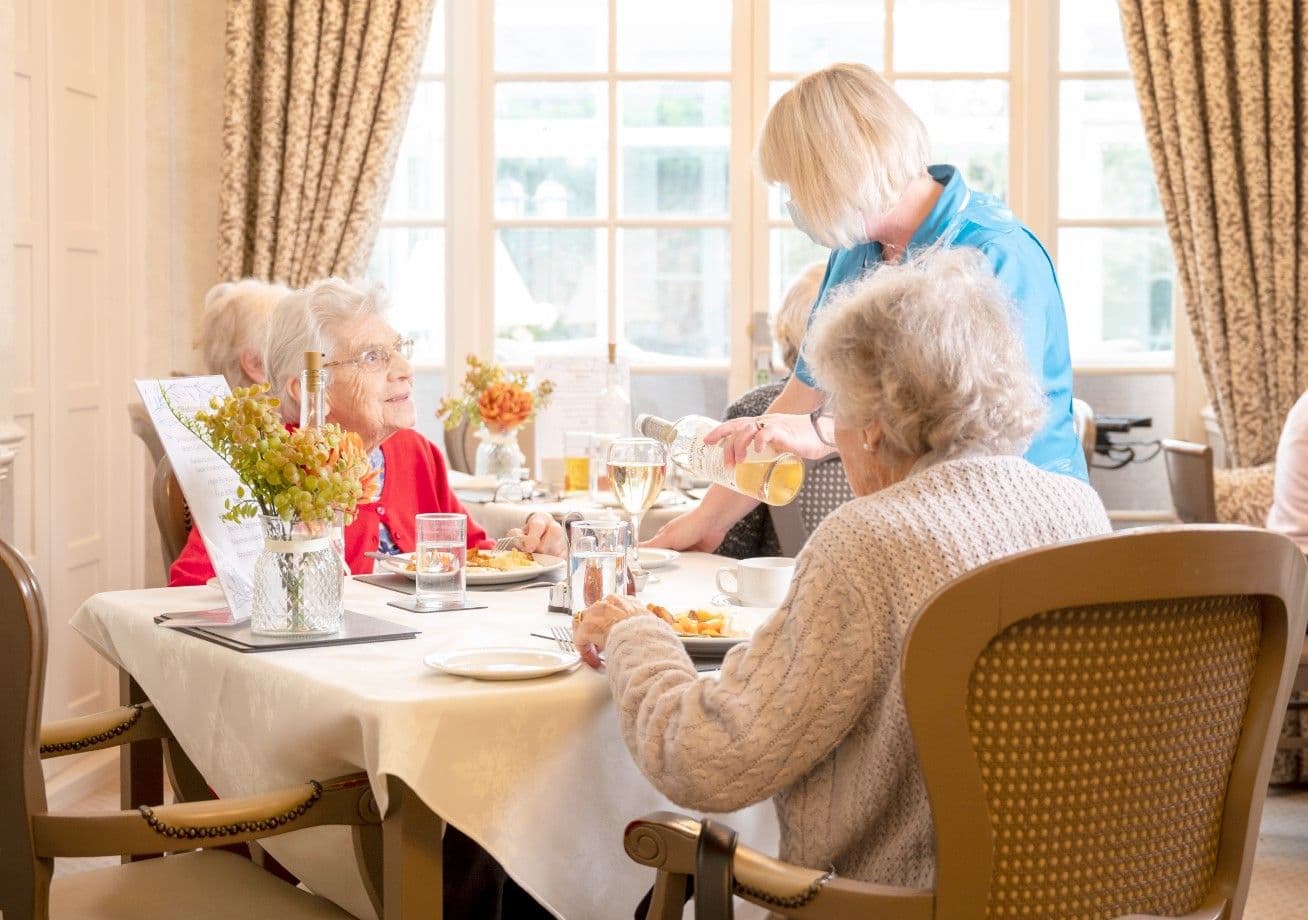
x: 636, y: 470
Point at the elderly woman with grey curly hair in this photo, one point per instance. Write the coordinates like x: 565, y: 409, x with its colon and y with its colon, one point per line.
x: 931, y: 404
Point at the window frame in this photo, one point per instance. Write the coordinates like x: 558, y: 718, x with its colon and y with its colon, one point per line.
x: 1034, y: 78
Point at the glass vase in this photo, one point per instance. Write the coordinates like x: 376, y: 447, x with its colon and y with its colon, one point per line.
x: 498, y: 454
x: 298, y: 580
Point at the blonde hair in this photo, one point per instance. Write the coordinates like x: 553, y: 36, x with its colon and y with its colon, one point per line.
x: 928, y: 348
x: 846, y: 146
x: 791, y: 321
x: 307, y: 321
x: 234, y: 320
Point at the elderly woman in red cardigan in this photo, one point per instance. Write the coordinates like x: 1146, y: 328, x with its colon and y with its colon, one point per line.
x: 369, y: 393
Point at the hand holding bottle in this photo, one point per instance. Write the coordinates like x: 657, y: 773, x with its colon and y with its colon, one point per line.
x: 790, y: 434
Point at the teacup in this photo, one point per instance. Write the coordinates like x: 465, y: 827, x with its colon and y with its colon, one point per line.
x: 760, y: 582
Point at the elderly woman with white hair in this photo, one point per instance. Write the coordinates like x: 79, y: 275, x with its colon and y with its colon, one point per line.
x: 933, y: 404
x: 233, y: 326
x: 851, y: 158
x: 369, y: 392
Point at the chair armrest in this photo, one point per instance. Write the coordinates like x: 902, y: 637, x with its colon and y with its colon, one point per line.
x: 110, y: 728
x: 667, y: 842
x: 347, y: 800
x: 1212, y: 909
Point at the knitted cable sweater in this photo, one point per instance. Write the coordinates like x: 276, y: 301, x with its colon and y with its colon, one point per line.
x: 810, y: 712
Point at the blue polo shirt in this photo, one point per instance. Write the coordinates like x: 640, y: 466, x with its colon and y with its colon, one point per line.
x: 963, y: 217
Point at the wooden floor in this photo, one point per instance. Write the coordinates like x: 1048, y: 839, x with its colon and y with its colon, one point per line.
x: 1280, y: 880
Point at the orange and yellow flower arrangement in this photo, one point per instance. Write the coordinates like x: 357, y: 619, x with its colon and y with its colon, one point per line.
x: 493, y: 397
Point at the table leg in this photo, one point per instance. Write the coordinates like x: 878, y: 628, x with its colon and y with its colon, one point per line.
x: 412, y: 866
x: 140, y: 765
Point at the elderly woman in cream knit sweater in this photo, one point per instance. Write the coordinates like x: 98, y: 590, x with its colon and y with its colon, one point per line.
x: 930, y: 404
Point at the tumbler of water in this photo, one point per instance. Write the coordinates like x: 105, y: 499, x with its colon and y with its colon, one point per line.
x: 442, y: 551
x: 597, y: 561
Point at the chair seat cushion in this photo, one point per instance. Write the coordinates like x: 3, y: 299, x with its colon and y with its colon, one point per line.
x: 203, y: 885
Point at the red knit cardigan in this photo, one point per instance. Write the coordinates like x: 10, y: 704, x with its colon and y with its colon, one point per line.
x: 416, y: 483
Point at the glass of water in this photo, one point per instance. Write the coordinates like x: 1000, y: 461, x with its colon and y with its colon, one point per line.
x: 597, y: 561
x: 442, y: 551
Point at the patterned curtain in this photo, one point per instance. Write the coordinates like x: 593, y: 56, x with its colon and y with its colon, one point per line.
x: 1223, y: 88
x: 316, y: 94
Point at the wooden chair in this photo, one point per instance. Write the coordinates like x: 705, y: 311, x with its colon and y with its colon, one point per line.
x: 460, y: 448
x: 1190, y: 478
x: 825, y: 489
x: 1095, y: 724
x: 197, y: 884
x: 170, y: 513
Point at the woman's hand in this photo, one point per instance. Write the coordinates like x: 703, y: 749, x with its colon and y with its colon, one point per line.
x: 782, y: 433
x: 540, y: 533
x: 696, y: 530
x: 590, y: 629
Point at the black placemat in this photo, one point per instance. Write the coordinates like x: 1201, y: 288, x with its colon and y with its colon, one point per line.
x: 355, y: 629
x: 392, y: 581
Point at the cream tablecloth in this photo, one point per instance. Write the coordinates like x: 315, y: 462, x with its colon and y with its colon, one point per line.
x: 535, y: 771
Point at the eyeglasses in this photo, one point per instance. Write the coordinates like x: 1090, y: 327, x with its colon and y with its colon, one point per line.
x: 376, y: 357
x: 824, y: 424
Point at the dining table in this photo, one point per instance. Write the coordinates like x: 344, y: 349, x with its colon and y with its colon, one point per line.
x: 535, y: 771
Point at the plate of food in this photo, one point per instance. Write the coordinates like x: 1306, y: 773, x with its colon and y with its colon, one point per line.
x: 487, y: 566
x: 708, y: 630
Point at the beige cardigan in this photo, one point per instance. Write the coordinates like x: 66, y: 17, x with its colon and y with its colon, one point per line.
x: 810, y: 711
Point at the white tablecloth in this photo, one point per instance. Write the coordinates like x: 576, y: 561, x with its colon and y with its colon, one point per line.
x: 535, y: 771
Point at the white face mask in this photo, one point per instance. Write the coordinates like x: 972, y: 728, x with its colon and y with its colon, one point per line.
x: 802, y: 225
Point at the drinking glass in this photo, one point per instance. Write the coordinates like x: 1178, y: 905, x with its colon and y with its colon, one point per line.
x: 442, y: 551
x: 597, y: 561
x: 576, y: 461
x: 637, y: 467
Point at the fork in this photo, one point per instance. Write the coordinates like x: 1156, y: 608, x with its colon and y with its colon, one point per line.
x: 504, y: 543
x: 563, y: 636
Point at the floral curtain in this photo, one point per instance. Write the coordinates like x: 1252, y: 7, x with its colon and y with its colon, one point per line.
x: 1223, y: 87
x: 316, y: 95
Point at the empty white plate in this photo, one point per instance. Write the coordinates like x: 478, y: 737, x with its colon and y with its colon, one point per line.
x: 652, y: 558
x: 502, y: 663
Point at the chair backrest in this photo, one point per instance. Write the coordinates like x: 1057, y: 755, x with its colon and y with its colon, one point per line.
x: 1083, y: 423
x: 22, y: 784
x: 825, y: 489
x: 460, y: 447
x: 170, y: 512
x: 143, y: 428
x: 1190, y: 478
x: 1095, y: 721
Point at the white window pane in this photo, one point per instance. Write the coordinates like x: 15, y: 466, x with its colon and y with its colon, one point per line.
x: 675, y: 291
x: 551, y: 146
x: 561, y: 35
x: 944, y: 35
x: 789, y: 253
x: 410, y: 261
x: 549, y: 287
x: 433, y: 59
x: 1104, y: 168
x: 418, y: 186
x: 674, y: 35
x: 1117, y: 285
x: 967, y: 121
x: 1090, y: 36
x: 812, y: 34
x: 675, y: 147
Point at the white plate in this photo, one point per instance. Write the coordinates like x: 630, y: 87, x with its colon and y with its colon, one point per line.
x: 477, y: 577
x: 651, y: 558
x: 741, y: 620
x: 502, y: 663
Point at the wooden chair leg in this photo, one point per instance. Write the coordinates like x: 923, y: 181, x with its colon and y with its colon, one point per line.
x: 140, y: 765
x: 413, y: 871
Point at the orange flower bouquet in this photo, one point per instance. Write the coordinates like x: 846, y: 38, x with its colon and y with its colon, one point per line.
x: 493, y: 397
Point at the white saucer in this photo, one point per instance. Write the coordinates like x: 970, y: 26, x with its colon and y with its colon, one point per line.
x: 652, y: 558
x: 502, y: 663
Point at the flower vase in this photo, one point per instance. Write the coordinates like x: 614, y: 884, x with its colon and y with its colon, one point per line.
x: 498, y: 454
x: 299, y: 581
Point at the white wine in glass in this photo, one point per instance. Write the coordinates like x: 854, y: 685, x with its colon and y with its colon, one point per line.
x: 636, y: 470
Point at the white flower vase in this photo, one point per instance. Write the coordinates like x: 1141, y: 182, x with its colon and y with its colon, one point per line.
x: 498, y: 454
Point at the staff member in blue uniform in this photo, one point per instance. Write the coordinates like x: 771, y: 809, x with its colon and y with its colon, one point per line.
x: 852, y: 160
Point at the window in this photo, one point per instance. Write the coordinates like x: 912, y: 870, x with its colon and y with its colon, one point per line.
x: 1114, y: 257
x: 602, y: 182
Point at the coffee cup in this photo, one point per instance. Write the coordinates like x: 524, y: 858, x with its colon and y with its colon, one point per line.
x: 760, y: 582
